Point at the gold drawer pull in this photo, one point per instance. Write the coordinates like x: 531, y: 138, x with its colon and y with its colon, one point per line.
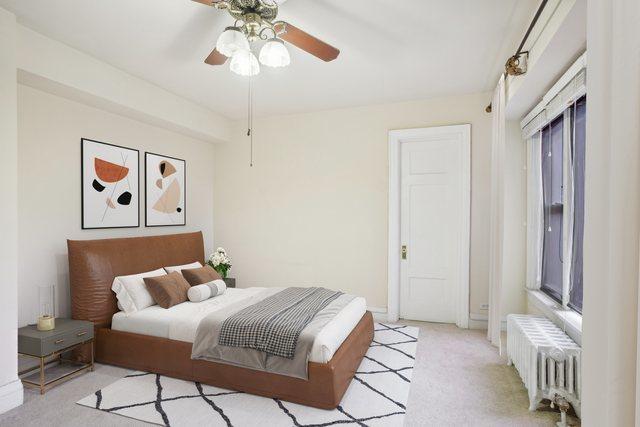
x: 79, y: 334
x: 60, y: 341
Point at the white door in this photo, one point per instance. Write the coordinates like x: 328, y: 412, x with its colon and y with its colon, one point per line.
x: 434, y: 222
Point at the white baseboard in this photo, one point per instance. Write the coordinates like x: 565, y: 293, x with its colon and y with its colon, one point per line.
x: 379, y: 314
x: 480, y: 321
x: 477, y: 324
x: 476, y: 321
x: 11, y: 395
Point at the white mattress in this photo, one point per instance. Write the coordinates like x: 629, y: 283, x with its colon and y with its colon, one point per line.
x: 181, y: 321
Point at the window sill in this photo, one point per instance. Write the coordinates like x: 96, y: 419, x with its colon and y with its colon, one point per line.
x: 566, y: 319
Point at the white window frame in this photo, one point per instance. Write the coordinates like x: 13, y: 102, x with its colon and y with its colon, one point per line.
x: 568, y: 89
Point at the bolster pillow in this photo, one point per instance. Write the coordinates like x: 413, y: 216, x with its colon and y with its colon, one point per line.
x: 207, y: 290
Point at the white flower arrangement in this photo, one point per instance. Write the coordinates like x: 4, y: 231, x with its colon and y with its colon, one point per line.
x: 220, y: 262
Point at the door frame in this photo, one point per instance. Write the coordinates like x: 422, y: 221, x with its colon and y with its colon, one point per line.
x: 407, y: 136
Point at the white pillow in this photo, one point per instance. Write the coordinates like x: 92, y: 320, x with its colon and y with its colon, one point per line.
x: 179, y: 268
x: 207, y: 290
x: 132, y: 293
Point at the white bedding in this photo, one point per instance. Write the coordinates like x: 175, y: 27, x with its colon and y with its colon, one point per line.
x: 180, y: 322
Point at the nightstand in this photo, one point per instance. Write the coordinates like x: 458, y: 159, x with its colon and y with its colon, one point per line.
x: 48, y: 347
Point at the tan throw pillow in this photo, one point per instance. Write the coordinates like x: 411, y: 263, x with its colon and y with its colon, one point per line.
x: 198, y: 276
x: 168, y: 290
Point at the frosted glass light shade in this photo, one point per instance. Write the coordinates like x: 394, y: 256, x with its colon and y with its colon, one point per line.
x: 275, y: 54
x: 245, y: 63
x: 46, y: 299
x: 232, y: 40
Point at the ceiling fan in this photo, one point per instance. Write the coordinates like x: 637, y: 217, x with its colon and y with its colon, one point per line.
x: 255, y: 21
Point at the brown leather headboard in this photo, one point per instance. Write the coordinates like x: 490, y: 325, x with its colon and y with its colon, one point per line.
x: 93, y: 264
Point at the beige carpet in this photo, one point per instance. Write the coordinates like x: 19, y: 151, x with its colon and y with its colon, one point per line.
x: 459, y: 379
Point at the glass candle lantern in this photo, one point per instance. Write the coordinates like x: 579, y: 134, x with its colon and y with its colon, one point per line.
x: 46, y: 307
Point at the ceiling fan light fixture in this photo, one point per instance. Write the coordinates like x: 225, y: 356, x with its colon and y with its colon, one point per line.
x: 232, y: 40
x: 245, y: 63
x: 274, y: 54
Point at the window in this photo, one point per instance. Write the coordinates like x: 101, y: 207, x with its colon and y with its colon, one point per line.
x: 568, y: 128
x: 555, y: 135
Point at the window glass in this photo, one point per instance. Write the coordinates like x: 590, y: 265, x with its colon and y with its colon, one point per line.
x: 552, y: 155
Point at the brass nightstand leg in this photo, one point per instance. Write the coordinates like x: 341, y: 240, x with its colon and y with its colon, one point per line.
x: 42, y: 375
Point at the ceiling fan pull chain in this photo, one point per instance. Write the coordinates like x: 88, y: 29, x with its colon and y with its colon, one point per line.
x: 250, y: 120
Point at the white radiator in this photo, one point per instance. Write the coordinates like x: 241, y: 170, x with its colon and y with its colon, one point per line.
x: 546, y: 358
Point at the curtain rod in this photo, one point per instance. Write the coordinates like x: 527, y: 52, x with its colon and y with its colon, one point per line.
x: 513, y: 59
x: 533, y: 24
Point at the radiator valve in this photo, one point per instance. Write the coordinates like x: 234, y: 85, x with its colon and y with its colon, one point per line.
x: 564, y: 406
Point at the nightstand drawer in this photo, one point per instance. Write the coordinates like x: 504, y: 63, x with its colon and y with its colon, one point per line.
x: 67, y: 339
x: 42, y: 343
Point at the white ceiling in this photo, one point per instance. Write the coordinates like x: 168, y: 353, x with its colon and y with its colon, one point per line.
x: 390, y: 50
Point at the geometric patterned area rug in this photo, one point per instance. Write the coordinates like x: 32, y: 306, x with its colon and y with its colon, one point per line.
x: 377, y: 396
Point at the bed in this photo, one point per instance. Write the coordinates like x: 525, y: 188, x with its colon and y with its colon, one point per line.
x: 160, y: 340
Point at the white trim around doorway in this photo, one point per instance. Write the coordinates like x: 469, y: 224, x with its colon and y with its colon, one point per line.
x: 396, y: 138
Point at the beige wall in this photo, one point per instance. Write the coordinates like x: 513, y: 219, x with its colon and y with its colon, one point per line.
x: 49, y: 132
x: 313, y: 209
x: 10, y: 385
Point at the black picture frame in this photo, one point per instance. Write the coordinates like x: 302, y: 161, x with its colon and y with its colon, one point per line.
x: 146, y: 192
x: 83, y: 223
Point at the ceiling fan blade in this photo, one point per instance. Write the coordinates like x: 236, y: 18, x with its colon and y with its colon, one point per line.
x: 307, y: 42
x: 215, y: 58
x: 207, y: 2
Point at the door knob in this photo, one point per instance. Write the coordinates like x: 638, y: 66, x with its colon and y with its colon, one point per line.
x: 404, y: 251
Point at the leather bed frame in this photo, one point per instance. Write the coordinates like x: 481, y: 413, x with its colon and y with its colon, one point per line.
x: 93, y: 264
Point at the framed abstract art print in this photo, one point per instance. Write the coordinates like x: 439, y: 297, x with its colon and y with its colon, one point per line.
x: 110, y: 185
x: 165, y: 191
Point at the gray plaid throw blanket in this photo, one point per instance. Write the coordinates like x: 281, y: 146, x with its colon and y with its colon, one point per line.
x: 273, y: 325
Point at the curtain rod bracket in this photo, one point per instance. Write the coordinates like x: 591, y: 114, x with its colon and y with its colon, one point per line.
x: 515, y: 66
